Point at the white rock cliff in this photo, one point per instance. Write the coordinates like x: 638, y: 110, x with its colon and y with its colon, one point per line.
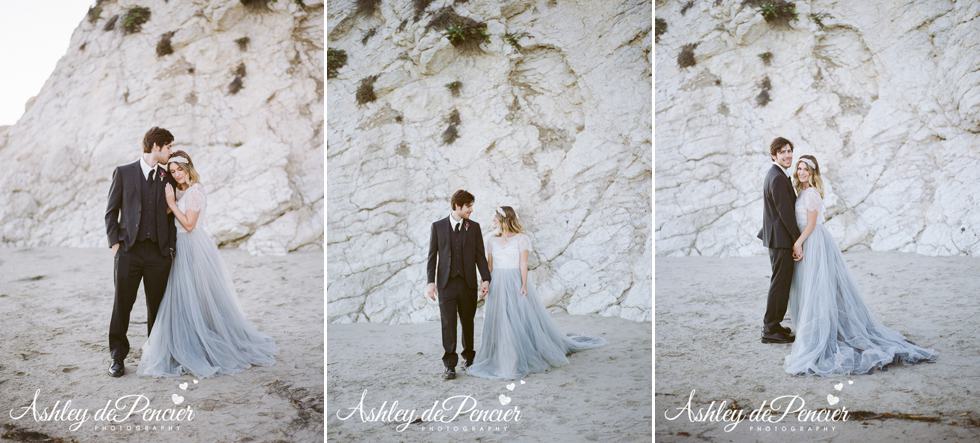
x: 240, y: 88
x: 886, y: 96
x: 552, y: 116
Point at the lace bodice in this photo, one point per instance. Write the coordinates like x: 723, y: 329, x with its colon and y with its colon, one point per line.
x: 506, y: 252
x: 193, y: 198
x: 808, y: 200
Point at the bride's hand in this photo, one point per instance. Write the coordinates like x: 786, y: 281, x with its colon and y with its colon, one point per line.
x: 797, y: 251
x: 169, y: 192
x: 524, y: 291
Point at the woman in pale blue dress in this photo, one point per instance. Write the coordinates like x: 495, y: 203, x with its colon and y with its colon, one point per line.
x: 519, y: 336
x: 199, y: 329
x: 836, y: 333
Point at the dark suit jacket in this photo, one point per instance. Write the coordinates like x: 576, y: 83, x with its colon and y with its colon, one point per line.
x: 779, y: 230
x: 440, y: 251
x: 122, y: 214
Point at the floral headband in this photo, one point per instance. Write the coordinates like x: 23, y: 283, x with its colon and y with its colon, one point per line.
x: 501, y: 213
x: 178, y: 159
x: 809, y: 163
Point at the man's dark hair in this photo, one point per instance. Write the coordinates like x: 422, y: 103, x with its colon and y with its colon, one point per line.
x: 777, y: 144
x: 156, y: 136
x: 461, y: 198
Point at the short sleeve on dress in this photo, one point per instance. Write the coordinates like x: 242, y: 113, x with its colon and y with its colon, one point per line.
x: 195, y: 199
x: 524, y: 242
x: 812, y: 201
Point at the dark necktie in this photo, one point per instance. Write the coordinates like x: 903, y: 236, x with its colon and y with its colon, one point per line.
x: 457, y: 226
x: 152, y: 176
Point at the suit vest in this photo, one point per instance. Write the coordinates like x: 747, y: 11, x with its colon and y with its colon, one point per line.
x: 456, y: 250
x: 148, y: 213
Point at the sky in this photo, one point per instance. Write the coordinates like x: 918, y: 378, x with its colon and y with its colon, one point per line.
x: 33, y: 37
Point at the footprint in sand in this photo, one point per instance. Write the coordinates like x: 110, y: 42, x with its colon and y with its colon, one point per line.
x: 29, y: 354
x: 67, y: 369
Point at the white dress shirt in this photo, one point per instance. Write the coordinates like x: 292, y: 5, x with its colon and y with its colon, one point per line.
x: 453, y: 220
x: 147, y: 168
x: 785, y: 170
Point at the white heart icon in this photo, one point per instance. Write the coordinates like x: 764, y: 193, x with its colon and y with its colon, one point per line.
x: 510, y: 387
x: 176, y: 399
x: 504, y: 400
x: 850, y: 382
x: 183, y: 386
x: 195, y: 381
x: 839, y: 386
x: 522, y: 382
x: 832, y: 400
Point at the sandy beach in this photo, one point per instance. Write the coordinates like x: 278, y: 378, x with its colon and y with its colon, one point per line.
x: 708, y: 325
x: 603, y: 394
x: 55, y: 305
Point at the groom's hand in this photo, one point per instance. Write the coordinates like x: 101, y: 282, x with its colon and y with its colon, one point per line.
x: 430, y: 291
x: 115, y: 248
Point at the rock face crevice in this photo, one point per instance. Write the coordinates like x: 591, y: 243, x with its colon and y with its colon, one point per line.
x: 552, y: 116
x: 887, y: 98
x: 258, y: 145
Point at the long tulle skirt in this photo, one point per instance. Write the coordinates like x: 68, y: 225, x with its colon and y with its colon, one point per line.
x: 835, y: 332
x: 519, y: 335
x: 200, y: 328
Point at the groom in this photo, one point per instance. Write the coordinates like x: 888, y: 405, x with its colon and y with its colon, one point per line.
x: 779, y: 233
x: 142, y: 235
x: 456, y: 250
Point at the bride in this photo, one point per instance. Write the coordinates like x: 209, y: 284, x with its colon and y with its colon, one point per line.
x: 519, y: 336
x: 199, y: 329
x: 835, y: 332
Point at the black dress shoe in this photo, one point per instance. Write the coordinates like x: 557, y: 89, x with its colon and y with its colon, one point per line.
x: 117, y: 369
x: 449, y: 374
x: 777, y: 328
x: 466, y: 365
x: 777, y: 337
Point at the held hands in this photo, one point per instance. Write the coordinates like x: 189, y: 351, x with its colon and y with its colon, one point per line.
x: 169, y: 192
x: 797, y: 251
x: 430, y: 291
x: 484, y: 288
x: 524, y: 290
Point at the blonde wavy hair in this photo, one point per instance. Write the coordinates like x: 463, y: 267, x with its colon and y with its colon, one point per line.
x: 188, y: 168
x: 507, y: 220
x: 815, y: 180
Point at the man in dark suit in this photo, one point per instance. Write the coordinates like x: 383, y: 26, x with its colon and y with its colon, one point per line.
x: 455, y: 253
x: 779, y: 233
x: 143, y: 237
